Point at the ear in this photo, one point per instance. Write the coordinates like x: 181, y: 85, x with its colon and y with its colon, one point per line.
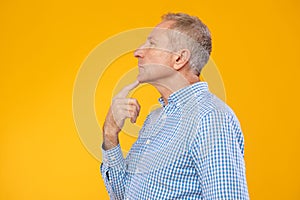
x: 181, y: 58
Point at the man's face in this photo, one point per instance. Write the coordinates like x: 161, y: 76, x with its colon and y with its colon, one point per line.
x: 155, y: 58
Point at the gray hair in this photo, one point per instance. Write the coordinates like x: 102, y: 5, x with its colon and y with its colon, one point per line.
x: 196, y: 38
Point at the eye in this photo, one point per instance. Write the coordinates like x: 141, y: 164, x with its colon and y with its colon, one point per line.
x: 151, y: 43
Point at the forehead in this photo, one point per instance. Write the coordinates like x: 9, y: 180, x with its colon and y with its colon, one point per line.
x: 161, y: 29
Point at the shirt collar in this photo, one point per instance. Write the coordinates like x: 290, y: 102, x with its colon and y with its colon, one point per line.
x: 181, y: 96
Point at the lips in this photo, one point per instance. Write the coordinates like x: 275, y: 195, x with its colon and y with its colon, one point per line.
x: 141, y: 69
x: 140, y: 65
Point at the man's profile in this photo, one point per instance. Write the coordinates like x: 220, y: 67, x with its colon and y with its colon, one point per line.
x: 192, y: 147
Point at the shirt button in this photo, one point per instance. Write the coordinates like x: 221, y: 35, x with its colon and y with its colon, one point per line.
x: 148, y: 141
x: 164, y: 116
x: 113, y: 158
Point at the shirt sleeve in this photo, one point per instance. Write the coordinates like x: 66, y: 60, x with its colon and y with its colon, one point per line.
x: 218, y: 153
x: 113, y: 172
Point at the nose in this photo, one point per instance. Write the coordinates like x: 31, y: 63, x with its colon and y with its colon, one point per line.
x: 139, y: 52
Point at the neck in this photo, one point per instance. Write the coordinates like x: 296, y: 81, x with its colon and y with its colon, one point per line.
x: 168, y: 86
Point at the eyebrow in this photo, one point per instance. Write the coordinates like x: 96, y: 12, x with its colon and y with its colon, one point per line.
x: 151, y: 38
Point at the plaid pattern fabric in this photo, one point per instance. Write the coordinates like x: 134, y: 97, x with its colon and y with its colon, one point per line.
x: 190, y: 148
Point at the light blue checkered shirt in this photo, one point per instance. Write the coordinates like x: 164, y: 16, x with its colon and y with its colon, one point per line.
x: 191, y: 148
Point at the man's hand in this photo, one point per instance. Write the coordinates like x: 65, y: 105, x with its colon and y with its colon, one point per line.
x: 121, y: 108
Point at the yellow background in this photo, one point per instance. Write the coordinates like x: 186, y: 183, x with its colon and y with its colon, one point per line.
x: 256, y: 47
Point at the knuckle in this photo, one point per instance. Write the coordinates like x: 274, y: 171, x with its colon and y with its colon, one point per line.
x: 135, y: 100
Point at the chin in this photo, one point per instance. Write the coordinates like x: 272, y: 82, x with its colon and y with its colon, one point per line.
x: 141, y: 79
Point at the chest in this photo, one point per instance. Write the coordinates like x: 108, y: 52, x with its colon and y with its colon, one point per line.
x: 163, y: 143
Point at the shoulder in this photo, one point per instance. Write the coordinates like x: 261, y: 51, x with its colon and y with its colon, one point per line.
x: 216, y: 122
x: 209, y: 108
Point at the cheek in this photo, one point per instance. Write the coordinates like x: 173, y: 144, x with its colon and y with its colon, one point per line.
x: 161, y: 57
x: 160, y: 70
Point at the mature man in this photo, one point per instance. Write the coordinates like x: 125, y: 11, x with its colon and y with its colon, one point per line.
x: 190, y: 148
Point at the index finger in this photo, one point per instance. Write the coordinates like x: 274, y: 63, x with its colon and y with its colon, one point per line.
x: 124, y: 92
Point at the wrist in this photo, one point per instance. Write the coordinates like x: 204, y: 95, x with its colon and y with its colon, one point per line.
x: 110, y: 140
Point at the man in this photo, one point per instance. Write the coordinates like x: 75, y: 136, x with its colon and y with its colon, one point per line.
x: 190, y: 148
